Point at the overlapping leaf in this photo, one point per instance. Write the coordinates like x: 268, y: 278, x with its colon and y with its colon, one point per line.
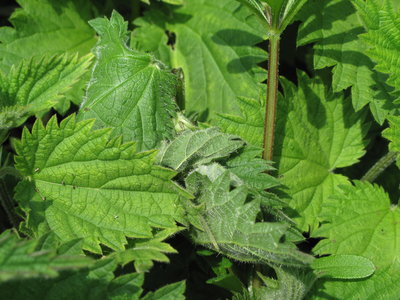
x: 36, y: 85
x: 46, y: 27
x: 213, y: 42
x: 225, y: 223
x: 128, y: 91
x: 95, y: 188
x: 194, y: 148
x: 382, y: 23
x: 97, y: 282
x: 21, y: 259
x: 362, y: 221
x: 317, y: 132
x: 334, y: 27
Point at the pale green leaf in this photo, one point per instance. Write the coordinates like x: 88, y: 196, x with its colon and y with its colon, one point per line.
x: 213, y: 44
x: 334, y: 27
x: 94, y: 187
x: 226, y: 223
x: 173, y: 291
x: 382, y: 23
x: 194, y: 148
x: 343, y: 266
x: 20, y: 259
x: 316, y: 132
x: 46, y: 27
x: 95, y: 283
x: 362, y: 221
x: 36, y: 85
x: 128, y: 91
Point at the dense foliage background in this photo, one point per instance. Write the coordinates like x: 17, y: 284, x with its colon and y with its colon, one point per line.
x: 132, y: 134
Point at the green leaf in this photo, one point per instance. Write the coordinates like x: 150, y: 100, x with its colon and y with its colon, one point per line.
x: 169, y: 292
x: 316, y: 132
x: 20, y: 259
x: 194, y: 148
x: 382, y: 22
x: 393, y: 134
x: 213, y: 42
x: 226, y: 223
x: 36, y: 85
x: 334, y: 27
x: 128, y: 91
x: 96, y: 283
x: 144, y: 252
x: 102, y: 189
x: 46, y: 27
x: 343, y: 266
x: 360, y: 220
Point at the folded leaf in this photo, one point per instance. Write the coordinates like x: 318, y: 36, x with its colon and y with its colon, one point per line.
x: 128, y: 91
x: 100, y: 188
x: 169, y: 292
x: 227, y: 224
x: 194, y: 148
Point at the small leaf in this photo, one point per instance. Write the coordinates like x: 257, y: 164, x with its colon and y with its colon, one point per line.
x: 194, y: 148
x: 343, y: 266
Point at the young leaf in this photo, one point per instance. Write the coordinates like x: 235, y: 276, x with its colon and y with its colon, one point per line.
x: 382, y: 22
x: 362, y: 221
x: 317, y: 132
x: 343, y: 266
x: 46, y: 27
x: 36, y: 85
x: 393, y: 134
x: 95, y: 283
x: 169, y: 292
x: 226, y: 224
x: 102, y: 189
x: 213, y: 42
x: 128, y: 91
x: 194, y: 148
x: 19, y: 259
x: 334, y: 27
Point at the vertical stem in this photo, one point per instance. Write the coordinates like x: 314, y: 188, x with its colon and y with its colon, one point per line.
x: 272, y: 96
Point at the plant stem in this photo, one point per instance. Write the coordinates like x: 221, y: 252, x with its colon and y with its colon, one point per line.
x: 272, y: 96
x: 380, y: 166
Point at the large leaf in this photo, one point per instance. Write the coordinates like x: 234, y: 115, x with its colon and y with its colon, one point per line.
x: 362, y: 221
x: 213, y: 42
x: 193, y: 148
x: 317, y: 132
x: 46, y: 27
x: 20, y: 259
x: 382, y: 22
x: 95, y: 188
x: 334, y: 27
x: 227, y: 224
x: 36, y: 85
x: 128, y: 91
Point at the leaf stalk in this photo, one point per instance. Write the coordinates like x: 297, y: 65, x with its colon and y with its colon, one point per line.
x: 272, y: 96
x: 380, y: 166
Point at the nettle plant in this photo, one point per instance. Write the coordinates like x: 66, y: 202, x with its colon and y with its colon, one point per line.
x: 155, y: 154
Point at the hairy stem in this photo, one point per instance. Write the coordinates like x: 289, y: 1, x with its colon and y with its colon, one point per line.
x: 272, y: 96
x: 380, y: 166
